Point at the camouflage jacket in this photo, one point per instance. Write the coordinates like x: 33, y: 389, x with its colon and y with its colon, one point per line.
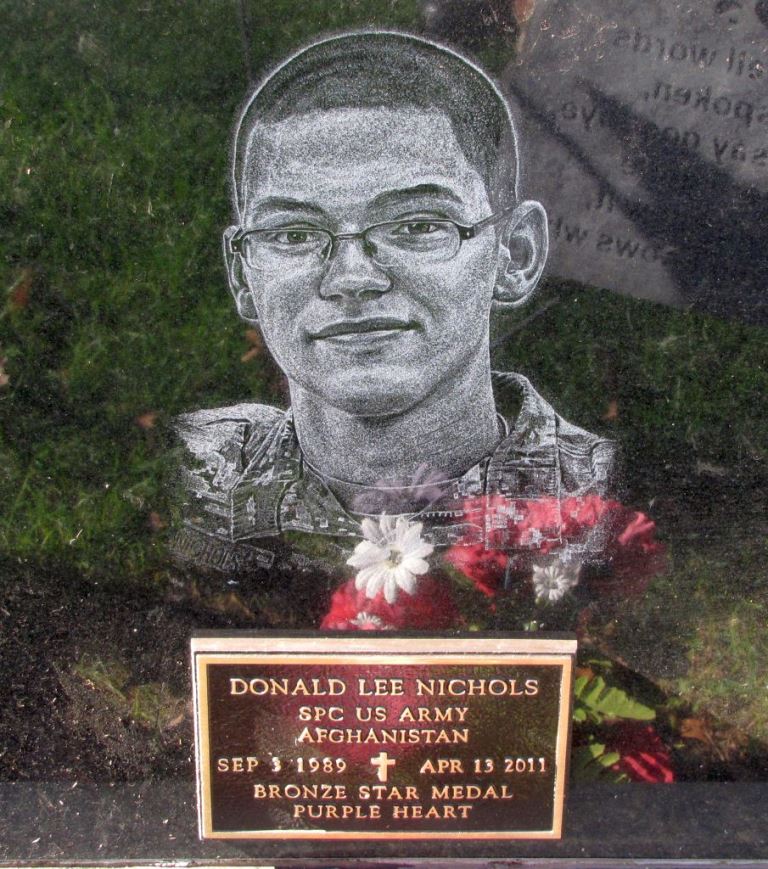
x: 246, y: 482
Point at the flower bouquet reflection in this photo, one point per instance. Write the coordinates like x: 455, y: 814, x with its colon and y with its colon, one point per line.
x: 543, y: 564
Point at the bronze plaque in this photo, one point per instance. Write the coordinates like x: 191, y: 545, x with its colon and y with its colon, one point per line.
x: 371, y: 737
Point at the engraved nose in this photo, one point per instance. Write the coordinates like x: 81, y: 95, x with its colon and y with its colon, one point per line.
x: 351, y: 272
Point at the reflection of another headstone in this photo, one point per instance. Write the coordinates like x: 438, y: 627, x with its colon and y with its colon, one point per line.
x: 645, y: 128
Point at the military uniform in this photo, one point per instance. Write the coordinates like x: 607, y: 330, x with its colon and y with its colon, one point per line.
x: 247, y: 483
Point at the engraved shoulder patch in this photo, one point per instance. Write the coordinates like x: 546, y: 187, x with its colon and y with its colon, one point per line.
x: 215, y: 439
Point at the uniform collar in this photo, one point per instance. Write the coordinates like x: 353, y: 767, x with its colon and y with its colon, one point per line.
x: 278, y: 491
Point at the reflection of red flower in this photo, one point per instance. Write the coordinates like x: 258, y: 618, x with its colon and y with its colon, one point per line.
x: 431, y: 606
x: 485, y: 567
x: 644, y: 757
x: 632, y: 552
x: 605, y: 532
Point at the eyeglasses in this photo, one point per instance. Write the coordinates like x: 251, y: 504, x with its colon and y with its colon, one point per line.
x: 417, y: 240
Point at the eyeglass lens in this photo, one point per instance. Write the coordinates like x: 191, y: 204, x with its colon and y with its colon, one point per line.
x: 386, y: 244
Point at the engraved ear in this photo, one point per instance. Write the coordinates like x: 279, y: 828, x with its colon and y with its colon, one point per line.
x: 522, y: 254
x: 238, y: 286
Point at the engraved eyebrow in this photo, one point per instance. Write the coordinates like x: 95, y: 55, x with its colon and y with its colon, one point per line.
x: 434, y: 190
x: 282, y: 203
x: 391, y: 197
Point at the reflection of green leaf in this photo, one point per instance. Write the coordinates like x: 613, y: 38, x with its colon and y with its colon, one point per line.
x: 329, y: 550
x: 596, y: 701
x: 151, y: 704
x: 108, y: 676
x: 591, y: 762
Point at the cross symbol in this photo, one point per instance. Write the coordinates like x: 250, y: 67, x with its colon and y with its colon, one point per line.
x: 383, y: 761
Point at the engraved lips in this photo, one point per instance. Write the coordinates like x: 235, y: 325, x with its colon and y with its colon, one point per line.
x: 362, y: 327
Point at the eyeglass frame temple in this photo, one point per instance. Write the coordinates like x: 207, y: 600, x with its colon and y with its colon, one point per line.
x: 468, y: 232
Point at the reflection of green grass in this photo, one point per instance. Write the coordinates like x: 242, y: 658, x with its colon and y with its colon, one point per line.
x: 113, y: 174
x: 689, y: 413
x: 114, y: 123
x: 688, y: 390
x: 700, y: 631
x: 728, y: 676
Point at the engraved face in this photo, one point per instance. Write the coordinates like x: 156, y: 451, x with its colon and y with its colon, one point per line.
x: 370, y: 333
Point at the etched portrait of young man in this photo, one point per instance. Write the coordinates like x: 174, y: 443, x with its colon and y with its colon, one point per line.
x: 377, y: 223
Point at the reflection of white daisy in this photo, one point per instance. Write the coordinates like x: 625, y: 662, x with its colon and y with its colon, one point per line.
x: 370, y: 622
x: 552, y: 581
x: 390, y: 558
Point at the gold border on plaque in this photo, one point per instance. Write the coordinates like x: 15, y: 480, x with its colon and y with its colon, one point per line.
x: 401, y: 651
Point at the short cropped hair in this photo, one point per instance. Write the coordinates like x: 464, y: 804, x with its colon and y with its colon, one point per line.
x: 387, y: 70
